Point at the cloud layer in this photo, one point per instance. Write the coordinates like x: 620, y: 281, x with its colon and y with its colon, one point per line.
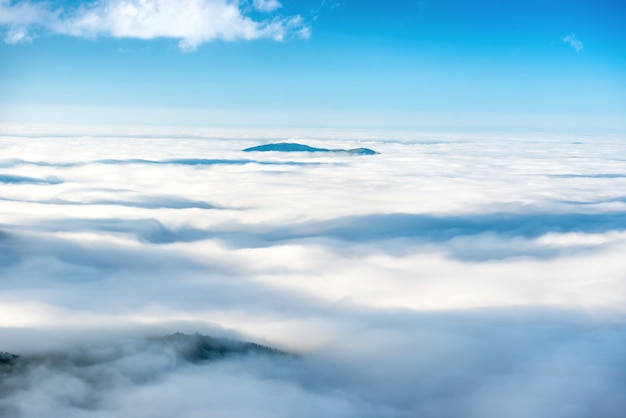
x: 192, y: 22
x: 449, y: 275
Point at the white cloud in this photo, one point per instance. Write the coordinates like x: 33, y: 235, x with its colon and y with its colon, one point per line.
x: 24, y: 13
x: 266, y: 5
x: 18, y: 35
x: 573, y: 42
x: 192, y: 22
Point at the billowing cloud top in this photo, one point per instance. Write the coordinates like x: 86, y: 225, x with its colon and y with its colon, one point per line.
x: 192, y: 22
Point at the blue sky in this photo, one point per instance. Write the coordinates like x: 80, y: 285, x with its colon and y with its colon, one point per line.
x: 440, y: 64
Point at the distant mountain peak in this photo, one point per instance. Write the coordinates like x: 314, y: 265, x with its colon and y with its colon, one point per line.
x: 295, y: 147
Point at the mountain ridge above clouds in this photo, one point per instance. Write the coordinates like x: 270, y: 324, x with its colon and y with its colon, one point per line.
x: 296, y: 147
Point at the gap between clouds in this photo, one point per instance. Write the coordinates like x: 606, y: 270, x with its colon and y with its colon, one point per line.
x: 192, y: 22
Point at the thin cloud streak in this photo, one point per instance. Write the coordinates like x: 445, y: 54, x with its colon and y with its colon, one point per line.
x: 14, y: 179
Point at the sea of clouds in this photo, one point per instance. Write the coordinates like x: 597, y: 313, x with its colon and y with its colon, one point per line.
x: 451, y: 275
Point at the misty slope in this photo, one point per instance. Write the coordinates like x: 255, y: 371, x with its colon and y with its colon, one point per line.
x: 7, y: 362
x: 197, y: 348
x: 187, y: 348
x: 83, y: 378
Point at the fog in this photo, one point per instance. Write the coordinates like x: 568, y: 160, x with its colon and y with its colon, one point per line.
x: 449, y: 275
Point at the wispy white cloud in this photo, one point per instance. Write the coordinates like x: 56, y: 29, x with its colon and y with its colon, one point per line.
x: 192, y: 22
x: 573, y: 42
x: 24, y: 13
x: 267, y: 5
x: 18, y: 35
